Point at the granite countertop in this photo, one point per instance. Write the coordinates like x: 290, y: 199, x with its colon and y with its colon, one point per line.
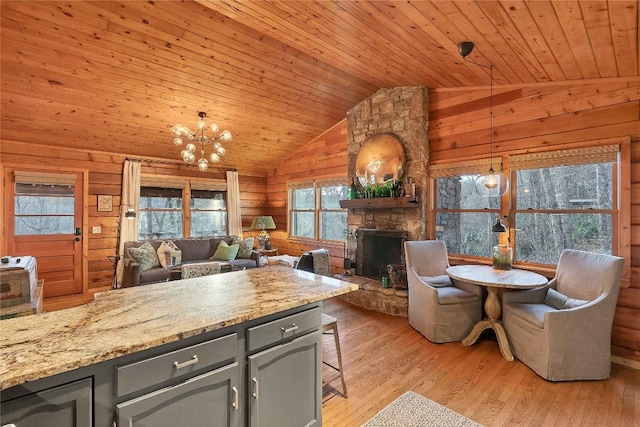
x: 126, y: 321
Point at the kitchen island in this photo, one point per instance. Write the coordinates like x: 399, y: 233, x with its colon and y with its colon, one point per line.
x: 113, y: 349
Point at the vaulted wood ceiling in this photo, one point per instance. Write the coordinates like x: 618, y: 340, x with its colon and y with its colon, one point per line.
x: 115, y: 76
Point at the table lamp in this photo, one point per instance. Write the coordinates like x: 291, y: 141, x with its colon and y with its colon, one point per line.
x: 263, y: 223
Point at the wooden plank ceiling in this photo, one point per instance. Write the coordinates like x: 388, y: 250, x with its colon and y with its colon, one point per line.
x: 115, y: 76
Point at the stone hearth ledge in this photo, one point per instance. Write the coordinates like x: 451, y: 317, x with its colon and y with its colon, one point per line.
x: 125, y: 321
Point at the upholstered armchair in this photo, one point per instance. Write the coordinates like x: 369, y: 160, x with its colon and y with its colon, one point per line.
x: 440, y: 309
x: 563, y: 330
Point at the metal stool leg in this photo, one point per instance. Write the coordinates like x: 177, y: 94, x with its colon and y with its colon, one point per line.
x: 330, y: 323
x: 337, y: 340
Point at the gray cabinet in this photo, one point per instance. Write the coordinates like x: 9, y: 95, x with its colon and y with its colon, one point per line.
x: 62, y: 406
x: 210, y: 399
x: 262, y: 372
x: 285, y: 384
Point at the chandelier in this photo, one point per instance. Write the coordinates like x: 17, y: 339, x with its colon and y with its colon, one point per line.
x: 183, y: 134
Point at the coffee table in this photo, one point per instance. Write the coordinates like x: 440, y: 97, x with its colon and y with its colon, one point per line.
x: 496, y: 281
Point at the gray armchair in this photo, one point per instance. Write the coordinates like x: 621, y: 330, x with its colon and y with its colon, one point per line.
x: 563, y: 330
x: 440, y: 309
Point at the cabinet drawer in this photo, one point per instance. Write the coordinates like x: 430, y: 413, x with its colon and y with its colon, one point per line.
x: 290, y: 326
x: 159, y: 369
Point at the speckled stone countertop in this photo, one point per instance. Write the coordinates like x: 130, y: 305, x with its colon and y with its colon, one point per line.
x: 125, y: 321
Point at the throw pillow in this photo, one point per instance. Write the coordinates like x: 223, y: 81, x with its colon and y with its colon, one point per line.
x: 224, y: 252
x: 560, y: 301
x: 145, y: 256
x: 245, y: 247
x: 169, y: 254
x: 437, y: 281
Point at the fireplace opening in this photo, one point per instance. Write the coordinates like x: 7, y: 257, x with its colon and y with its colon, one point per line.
x: 378, y: 248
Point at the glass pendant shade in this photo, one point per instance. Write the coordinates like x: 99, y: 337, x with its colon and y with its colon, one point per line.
x: 203, y: 164
x: 492, y: 184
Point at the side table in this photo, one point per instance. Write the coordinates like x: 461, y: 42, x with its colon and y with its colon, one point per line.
x: 268, y: 252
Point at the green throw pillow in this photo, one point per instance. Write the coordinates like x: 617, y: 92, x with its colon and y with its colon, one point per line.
x: 145, y: 256
x: 224, y: 252
x: 245, y: 247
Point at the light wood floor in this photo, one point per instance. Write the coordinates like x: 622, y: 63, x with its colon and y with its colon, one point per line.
x: 384, y: 357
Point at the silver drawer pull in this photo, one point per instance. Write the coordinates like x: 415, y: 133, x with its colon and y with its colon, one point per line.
x: 235, y: 398
x: 193, y: 361
x: 255, y: 388
x: 291, y: 328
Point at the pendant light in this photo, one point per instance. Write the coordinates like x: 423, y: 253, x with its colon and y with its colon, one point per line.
x: 490, y: 183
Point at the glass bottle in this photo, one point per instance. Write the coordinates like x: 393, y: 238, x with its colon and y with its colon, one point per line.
x: 502, y: 257
x: 353, y: 191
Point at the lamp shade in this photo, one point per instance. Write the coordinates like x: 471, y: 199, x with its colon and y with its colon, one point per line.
x: 263, y: 223
x: 499, y: 227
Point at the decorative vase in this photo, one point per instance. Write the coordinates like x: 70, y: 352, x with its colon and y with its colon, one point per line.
x: 502, y: 257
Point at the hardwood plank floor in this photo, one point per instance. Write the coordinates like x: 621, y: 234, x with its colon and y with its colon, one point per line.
x: 384, y: 357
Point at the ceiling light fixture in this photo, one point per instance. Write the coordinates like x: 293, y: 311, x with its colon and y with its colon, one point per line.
x: 183, y: 134
x: 491, y: 183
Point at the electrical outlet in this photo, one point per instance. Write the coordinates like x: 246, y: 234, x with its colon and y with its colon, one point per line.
x: 96, y: 230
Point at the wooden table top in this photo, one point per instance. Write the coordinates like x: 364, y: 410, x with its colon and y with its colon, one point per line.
x: 485, y: 275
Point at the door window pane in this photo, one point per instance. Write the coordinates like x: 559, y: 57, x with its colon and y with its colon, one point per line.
x: 44, y: 209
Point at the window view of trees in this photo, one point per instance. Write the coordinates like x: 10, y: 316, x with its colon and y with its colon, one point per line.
x: 44, y: 209
x: 556, y: 208
x: 208, y: 213
x: 464, y: 218
x: 307, y: 210
x: 563, y: 207
x: 333, y: 219
x: 160, y: 213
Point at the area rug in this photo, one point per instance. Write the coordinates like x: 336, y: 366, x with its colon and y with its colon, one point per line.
x: 413, y: 410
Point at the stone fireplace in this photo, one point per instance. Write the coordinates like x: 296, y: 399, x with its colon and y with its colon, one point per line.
x: 402, y: 112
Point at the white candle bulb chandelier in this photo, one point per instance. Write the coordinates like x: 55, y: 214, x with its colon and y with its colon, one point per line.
x: 183, y: 134
x: 491, y: 183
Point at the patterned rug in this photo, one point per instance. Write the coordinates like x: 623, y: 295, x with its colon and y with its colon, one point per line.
x: 413, y: 410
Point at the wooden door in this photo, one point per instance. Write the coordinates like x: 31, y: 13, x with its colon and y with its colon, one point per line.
x: 44, y: 220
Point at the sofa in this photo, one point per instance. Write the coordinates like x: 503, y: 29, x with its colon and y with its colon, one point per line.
x: 193, y: 250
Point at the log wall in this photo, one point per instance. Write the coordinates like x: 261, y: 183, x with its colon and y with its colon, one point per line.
x: 325, y: 156
x: 105, y: 177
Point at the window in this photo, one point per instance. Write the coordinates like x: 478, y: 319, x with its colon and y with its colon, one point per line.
x: 181, y: 207
x: 463, y: 218
x: 315, y: 212
x: 160, y: 213
x: 44, y: 204
x: 208, y: 213
x: 565, y: 199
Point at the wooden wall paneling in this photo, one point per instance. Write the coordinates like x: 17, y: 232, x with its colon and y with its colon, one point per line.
x: 325, y: 156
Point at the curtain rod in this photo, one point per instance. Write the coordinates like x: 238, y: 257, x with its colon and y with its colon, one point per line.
x: 169, y: 162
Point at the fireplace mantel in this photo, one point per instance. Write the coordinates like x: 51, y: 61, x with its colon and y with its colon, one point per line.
x: 380, y: 203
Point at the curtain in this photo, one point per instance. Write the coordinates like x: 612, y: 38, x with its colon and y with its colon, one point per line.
x: 128, y: 228
x: 234, y: 216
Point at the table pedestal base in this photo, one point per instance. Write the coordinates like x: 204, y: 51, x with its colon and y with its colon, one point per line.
x: 496, y: 325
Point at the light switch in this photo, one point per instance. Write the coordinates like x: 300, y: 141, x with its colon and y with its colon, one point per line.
x: 96, y: 230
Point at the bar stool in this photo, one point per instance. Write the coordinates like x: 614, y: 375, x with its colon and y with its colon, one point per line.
x: 330, y: 323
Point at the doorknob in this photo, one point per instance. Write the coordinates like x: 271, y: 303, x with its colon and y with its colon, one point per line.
x: 78, y: 232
